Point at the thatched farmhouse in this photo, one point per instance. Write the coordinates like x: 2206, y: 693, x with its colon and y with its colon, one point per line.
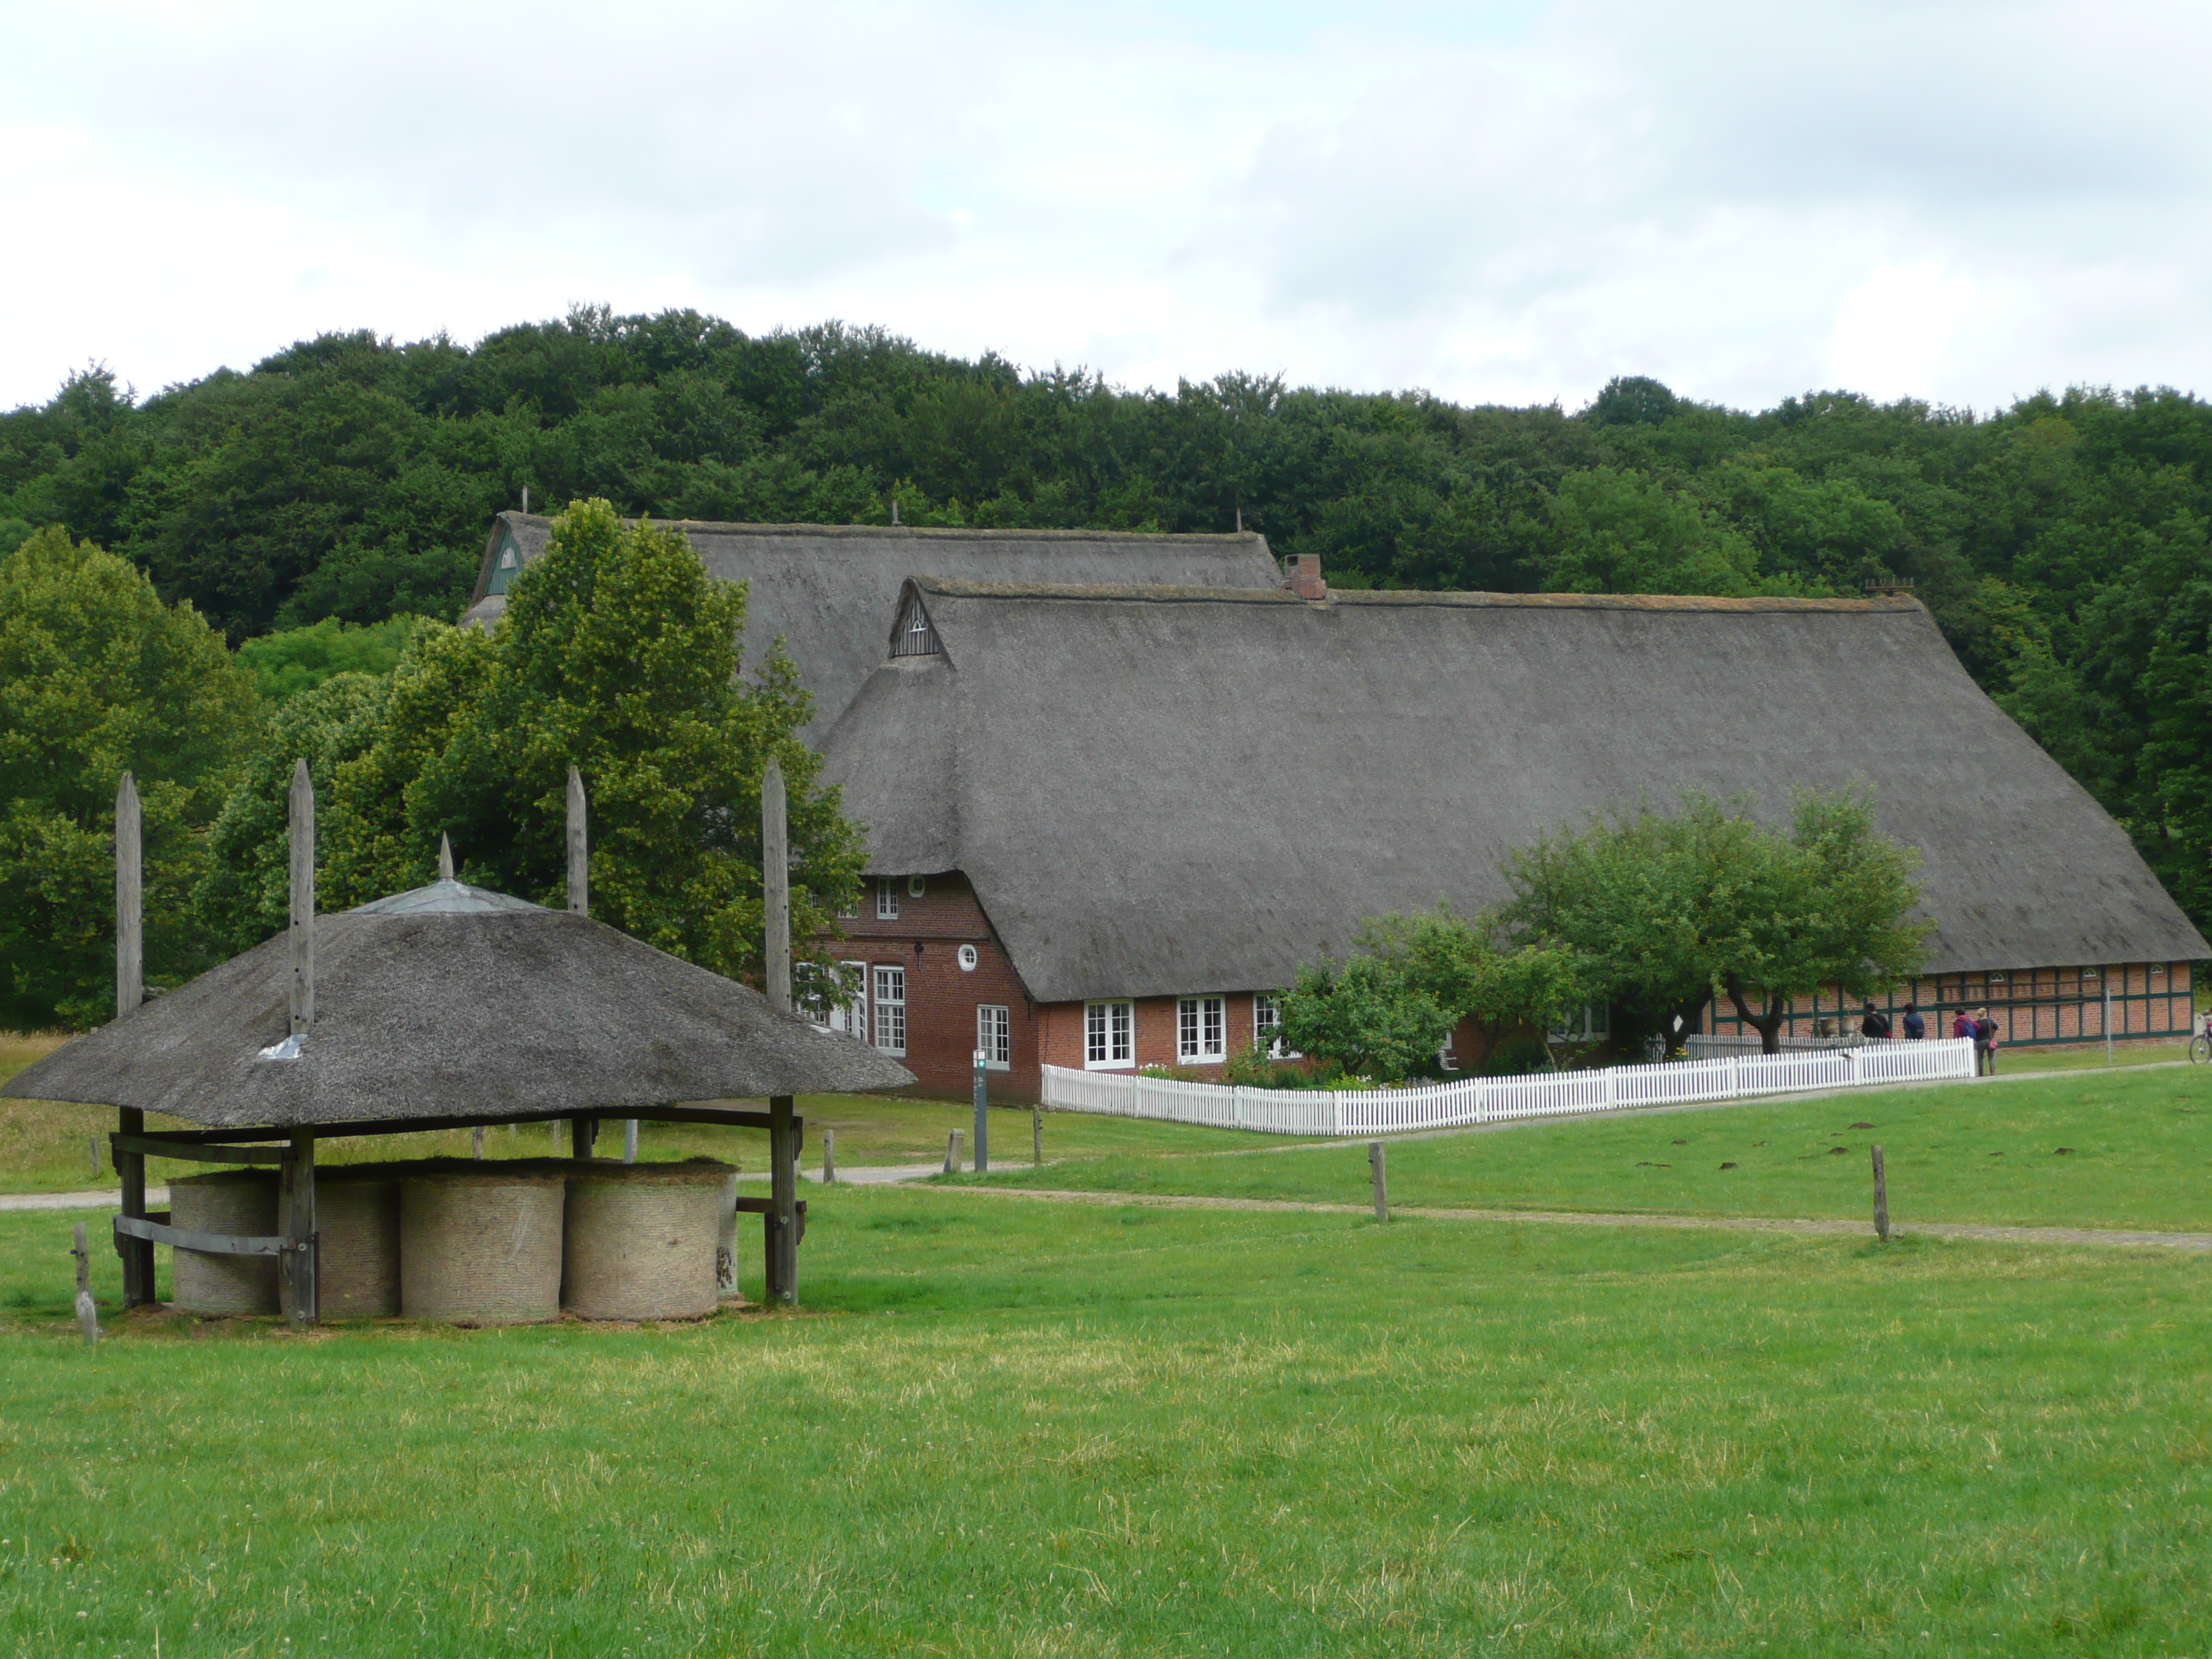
x: 825, y: 589
x: 1104, y: 821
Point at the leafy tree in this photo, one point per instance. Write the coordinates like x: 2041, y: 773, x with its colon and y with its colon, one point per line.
x: 1459, y: 966
x: 616, y: 655
x: 299, y: 659
x: 1364, y: 1015
x: 1710, y: 902
x: 98, y: 677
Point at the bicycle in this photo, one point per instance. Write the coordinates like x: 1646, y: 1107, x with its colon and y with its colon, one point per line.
x: 2200, y: 1046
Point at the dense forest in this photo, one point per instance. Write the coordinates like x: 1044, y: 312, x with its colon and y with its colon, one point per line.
x: 2060, y: 543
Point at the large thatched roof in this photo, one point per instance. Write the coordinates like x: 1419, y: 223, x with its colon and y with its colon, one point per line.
x: 828, y: 589
x: 453, y: 1001
x: 1158, y: 791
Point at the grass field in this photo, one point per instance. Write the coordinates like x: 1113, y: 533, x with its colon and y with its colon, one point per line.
x: 2138, y: 1154
x: 1026, y: 1429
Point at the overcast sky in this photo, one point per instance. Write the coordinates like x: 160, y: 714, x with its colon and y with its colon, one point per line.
x: 1498, y: 202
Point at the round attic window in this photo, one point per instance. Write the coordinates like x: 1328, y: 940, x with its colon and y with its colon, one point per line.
x: 916, y: 886
x: 967, y: 958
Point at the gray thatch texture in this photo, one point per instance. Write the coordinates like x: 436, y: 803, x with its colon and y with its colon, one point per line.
x: 828, y: 590
x: 453, y: 1001
x: 1156, y: 791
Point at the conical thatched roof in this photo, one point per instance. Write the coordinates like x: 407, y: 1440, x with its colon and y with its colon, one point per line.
x: 453, y: 1001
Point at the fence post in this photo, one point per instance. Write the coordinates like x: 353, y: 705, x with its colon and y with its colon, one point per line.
x: 828, y: 1158
x: 1375, y: 1152
x: 87, y: 1315
x: 1037, y: 1136
x: 953, y: 1153
x: 1880, y: 1199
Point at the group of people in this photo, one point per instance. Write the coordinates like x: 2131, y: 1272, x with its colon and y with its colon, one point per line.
x: 1977, y: 1025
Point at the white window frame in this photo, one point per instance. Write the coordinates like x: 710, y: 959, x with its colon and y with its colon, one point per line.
x: 886, y: 899
x: 1267, y: 1024
x: 1596, y: 1026
x: 994, y: 1036
x: 1201, y: 1030
x: 1109, y: 1032
x: 851, y: 1018
x: 888, y: 1010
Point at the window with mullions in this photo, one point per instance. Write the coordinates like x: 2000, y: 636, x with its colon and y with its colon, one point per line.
x: 1595, y: 1024
x: 1267, y: 1025
x: 1201, y: 1030
x: 1109, y: 1034
x: 851, y: 1016
x: 886, y: 899
x: 994, y: 1036
x: 891, y: 1010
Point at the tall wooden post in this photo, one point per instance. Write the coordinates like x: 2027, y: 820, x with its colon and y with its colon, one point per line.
x: 1881, y: 1197
x: 137, y: 1253
x: 295, y: 1205
x: 783, y: 1191
x: 775, y: 883
x: 303, y: 900
x: 1378, y: 1173
x: 783, y: 1132
x: 584, y: 1132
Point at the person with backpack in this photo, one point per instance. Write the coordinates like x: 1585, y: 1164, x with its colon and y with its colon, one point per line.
x: 1916, y: 1026
x: 1874, y: 1024
x: 1962, y: 1025
x: 1986, y: 1043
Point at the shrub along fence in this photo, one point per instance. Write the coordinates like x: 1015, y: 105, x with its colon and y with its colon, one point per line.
x: 1501, y: 1099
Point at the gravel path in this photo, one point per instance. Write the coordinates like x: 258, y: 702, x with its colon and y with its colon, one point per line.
x: 2097, y: 1235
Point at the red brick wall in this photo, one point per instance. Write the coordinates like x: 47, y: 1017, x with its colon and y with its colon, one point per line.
x: 1062, y: 1042
x: 941, y: 998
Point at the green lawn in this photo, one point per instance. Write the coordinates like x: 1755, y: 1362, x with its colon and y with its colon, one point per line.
x: 2139, y: 1154
x: 47, y: 1146
x: 1014, y: 1429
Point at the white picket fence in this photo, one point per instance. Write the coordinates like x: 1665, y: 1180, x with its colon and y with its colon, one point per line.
x: 1500, y: 1099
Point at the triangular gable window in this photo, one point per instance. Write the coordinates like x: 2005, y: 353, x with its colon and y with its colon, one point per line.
x: 916, y: 637
x: 505, y: 567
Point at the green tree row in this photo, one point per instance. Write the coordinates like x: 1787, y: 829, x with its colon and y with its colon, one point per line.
x: 2061, y: 542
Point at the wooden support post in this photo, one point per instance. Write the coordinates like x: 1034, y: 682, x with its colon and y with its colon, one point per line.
x: 1037, y: 1135
x: 828, y: 1158
x: 783, y: 1190
x: 92, y: 1152
x: 137, y: 1253
x: 303, y: 899
x: 725, y: 1241
x: 88, y: 1315
x: 296, y: 1204
x: 775, y: 883
x: 1880, y: 1199
x: 476, y: 1141
x: 1374, y: 1155
x: 582, y: 1132
x: 629, y: 1140
x: 953, y: 1153
x: 580, y: 850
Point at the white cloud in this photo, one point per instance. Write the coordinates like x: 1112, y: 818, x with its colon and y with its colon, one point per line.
x: 1961, y: 200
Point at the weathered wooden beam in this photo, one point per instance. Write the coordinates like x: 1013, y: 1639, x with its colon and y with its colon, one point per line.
x: 734, y: 1119
x: 130, y: 992
x: 303, y: 806
x: 580, y: 850
x: 583, y: 1131
x: 783, y: 1188
x: 194, y: 1151
x: 184, y: 1238
x: 296, y: 1204
x: 130, y: 903
x: 775, y: 883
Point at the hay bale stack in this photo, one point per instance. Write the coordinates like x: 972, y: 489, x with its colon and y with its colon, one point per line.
x: 480, y: 1244
x: 242, y: 1202
x: 357, y: 1239
x: 640, y: 1239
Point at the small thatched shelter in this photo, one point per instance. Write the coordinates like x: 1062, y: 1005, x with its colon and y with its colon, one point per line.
x: 448, y: 1006
x: 458, y: 1005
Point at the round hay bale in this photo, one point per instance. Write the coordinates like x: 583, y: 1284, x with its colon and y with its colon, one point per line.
x: 357, y: 1239
x: 640, y: 1239
x: 480, y: 1244
x: 238, y: 1201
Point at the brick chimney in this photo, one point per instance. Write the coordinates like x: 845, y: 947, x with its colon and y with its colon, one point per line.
x: 1304, y: 572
